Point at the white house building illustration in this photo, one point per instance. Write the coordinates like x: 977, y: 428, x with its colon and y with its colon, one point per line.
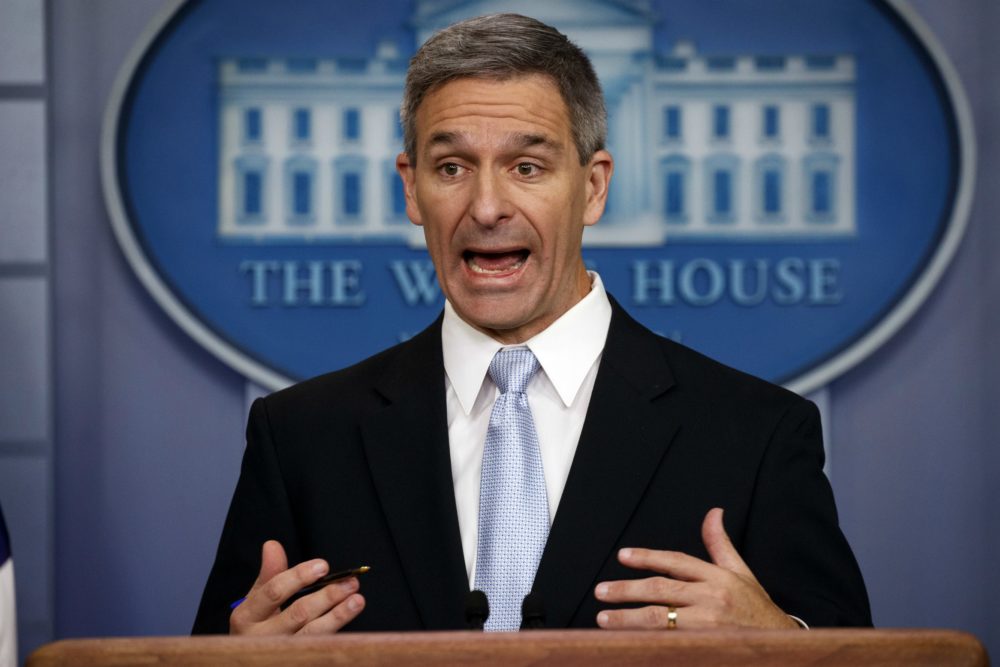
x: 706, y: 146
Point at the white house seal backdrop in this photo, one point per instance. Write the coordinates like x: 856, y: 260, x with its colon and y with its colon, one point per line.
x: 791, y: 178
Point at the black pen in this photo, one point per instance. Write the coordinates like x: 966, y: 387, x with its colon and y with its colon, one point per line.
x: 312, y: 588
x: 332, y: 577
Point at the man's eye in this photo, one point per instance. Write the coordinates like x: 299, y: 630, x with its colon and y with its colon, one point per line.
x: 450, y: 169
x: 527, y: 169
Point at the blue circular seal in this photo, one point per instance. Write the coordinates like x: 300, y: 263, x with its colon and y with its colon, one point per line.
x: 791, y: 179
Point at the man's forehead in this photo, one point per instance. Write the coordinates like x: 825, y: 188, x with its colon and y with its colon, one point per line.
x: 522, y: 111
x: 508, y: 140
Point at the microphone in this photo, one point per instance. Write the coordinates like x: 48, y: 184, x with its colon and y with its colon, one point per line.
x: 532, y: 612
x: 477, y: 610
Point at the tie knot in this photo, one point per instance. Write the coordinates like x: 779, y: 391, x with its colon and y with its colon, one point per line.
x: 511, y: 369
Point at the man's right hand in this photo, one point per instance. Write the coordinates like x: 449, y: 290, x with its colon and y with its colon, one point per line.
x: 325, y: 611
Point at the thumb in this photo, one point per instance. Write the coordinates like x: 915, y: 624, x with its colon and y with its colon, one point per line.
x: 719, y: 546
x: 272, y: 561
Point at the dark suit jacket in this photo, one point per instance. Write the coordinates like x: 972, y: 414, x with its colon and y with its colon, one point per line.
x: 354, y: 467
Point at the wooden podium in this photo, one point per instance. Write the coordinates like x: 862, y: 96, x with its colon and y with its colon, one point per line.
x: 573, y: 648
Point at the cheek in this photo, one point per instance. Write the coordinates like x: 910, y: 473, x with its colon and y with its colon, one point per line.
x: 440, y: 215
x: 563, y: 235
x: 437, y: 249
x: 549, y: 218
x: 439, y: 237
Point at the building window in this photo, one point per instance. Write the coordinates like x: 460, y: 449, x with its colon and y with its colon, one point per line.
x: 352, y: 194
x: 349, y: 190
x: 251, y: 189
x: 394, y: 185
x: 821, y: 183
x: 721, y: 63
x: 821, y: 201
x: 301, y: 125
x: 676, y: 179
x: 252, y: 127
x: 252, y: 64
x: 352, y: 64
x: 721, y: 173
x: 821, y: 62
x: 302, y: 194
x: 672, y: 128
x: 300, y: 191
x: 671, y: 63
x: 722, y: 193
x: 398, y: 198
x: 771, y: 126
x: 675, y: 195
x: 253, y: 194
x: 352, y: 124
x: 770, y: 63
x: 821, y: 121
x: 301, y: 65
x: 720, y: 122
x: 772, y: 192
x: 769, y: 184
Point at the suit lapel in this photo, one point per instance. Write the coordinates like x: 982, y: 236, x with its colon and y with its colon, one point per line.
x: 407, y: 448
x: 625, y: 435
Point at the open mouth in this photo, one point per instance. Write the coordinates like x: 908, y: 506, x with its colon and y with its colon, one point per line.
x: 495, y: 263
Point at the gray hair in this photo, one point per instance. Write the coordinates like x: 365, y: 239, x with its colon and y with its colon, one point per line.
x: 501, y: 47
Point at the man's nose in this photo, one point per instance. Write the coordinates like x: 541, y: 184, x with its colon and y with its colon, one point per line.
x: 490, y: 204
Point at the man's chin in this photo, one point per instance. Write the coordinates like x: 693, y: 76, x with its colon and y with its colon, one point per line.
x: 501, y: 319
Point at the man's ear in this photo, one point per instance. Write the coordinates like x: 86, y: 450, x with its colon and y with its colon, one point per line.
x: 599, y: 171
x: 407, y: 172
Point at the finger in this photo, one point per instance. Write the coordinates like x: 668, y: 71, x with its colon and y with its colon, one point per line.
x: 654, y: 617
x: 336, y: 618
x: 272, y: 561
x: 309, y: 608
x: 673, y: 563
x: 661, y: 590
x: 265, y: 599
x: 720, y: 547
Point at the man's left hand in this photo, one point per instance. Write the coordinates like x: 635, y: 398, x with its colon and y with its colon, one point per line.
x: 720, y: 594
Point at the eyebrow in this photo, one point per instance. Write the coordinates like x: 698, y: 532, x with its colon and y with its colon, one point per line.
x: 514, y: 141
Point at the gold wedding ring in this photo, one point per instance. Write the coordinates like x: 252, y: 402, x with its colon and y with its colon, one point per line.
x: 671, y: 618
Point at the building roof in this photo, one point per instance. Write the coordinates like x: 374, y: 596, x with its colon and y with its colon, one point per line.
x: 440, y: 13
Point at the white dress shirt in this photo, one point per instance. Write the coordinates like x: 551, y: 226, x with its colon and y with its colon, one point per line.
x: 569, y: 353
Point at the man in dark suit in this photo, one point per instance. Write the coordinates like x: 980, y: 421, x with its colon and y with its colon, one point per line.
x: 642, y: 443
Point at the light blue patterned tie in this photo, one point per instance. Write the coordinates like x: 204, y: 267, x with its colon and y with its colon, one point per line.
x: 513, y: 508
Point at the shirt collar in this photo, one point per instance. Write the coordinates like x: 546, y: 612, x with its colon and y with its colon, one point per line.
x: 566, y: 350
